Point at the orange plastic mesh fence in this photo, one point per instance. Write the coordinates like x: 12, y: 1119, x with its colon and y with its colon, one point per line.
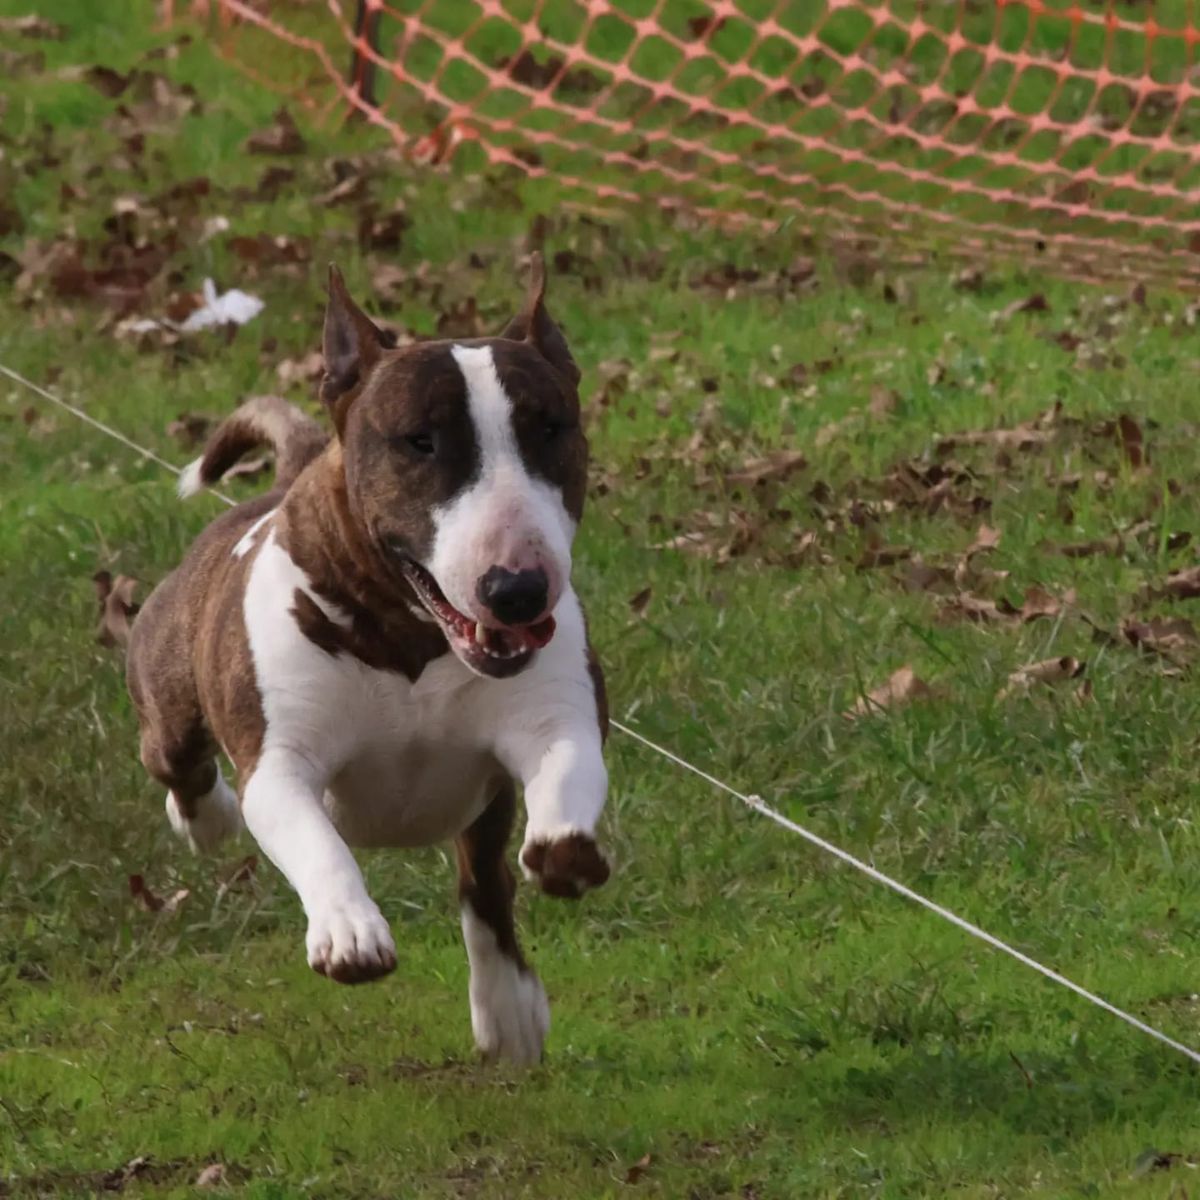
x: 1028, y: 126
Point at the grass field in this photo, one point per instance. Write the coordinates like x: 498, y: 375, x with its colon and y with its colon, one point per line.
x: 734, y: 1015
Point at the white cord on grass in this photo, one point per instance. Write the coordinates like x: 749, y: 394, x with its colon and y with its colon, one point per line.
x: 756, y: 803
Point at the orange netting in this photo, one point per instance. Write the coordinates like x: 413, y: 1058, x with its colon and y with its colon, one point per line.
x: 1019, y: 125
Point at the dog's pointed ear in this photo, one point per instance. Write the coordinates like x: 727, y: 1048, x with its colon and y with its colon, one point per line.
x: 351, y: 342
x: 533, y: 324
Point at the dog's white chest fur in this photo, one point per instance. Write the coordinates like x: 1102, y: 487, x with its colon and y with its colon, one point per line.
x: 407, y: 763
x: 405, y: 767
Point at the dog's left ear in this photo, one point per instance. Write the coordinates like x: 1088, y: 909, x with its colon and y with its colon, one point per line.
x: 351, y: 342
x: 534, y: 325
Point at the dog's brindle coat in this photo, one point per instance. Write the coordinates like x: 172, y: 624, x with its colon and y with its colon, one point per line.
x: 338, y: 638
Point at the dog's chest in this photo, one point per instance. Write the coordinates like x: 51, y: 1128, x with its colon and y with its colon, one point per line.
x: 412, y: 774
x: 408, y: 763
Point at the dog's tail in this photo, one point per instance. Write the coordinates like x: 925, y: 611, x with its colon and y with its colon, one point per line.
x: 262, y: 420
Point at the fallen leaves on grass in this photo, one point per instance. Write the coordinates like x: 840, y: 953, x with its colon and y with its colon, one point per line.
x: 33, y: 26
x: 1183, y: 584
x: 902, y: 687
x: 638, y: 602
x: 986, y: 538
x: 240, y: 877
x: 305, y: 369
x: 638, y: 1169
x: 280, y: 137
x: 189, y: 429
x: 778, y: 464
x: 1049, y: 671
x: 150, y: 902
x: 1163, y: 1160
x: 1024, y: 436
x: 1037, y: 603
x: 1173, y: 639
x: 1036, y: 302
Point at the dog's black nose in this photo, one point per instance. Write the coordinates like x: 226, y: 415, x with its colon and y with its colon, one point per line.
x: 515, y: 597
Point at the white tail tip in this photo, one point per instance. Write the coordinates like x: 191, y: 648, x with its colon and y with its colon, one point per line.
x: 190, y: 482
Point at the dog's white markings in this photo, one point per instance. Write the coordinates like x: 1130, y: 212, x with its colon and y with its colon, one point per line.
x: 505, y: 517
x: 510, y: 1015
x: 246, y: 542
x: 189, y: 483
x: 350, y: 940
x: 550, y: 740
x: 217, y: 818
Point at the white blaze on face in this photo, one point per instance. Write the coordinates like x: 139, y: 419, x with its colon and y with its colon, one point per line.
x: 504, y: 517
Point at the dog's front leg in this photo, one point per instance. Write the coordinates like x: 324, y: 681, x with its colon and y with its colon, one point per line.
x: 559, y: 761
x: 348, y: 939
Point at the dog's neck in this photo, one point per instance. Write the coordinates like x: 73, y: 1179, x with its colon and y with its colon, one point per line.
x: 386, y: 626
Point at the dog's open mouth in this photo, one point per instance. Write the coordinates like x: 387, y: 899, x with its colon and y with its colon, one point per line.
x: 485, y: 648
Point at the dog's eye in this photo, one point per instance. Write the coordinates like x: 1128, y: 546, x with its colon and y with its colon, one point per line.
x: 421, y: 444
x: 553, y: 429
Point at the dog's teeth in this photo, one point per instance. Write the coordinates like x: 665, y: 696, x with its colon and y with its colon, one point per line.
x: 480, y: 634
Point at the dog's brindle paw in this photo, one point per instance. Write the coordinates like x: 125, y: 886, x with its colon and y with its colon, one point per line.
x: 565, y: 867
x: 351, y: 943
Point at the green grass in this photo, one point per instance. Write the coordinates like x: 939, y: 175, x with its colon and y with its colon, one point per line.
x: 752, y: 1017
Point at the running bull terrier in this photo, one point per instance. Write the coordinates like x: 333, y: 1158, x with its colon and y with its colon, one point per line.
x: 387, y: 644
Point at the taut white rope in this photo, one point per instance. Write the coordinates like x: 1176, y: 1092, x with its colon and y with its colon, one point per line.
x: 756, y: 803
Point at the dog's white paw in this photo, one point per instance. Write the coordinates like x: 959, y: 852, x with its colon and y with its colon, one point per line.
x: 217, y: 818
x: 510, y: 1015
x: 350, y: 942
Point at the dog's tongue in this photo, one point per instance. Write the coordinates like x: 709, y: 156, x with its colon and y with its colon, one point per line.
x: 523, y: 637
x: 537, y: 636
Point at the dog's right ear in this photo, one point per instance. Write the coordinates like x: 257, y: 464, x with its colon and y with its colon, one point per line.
x: 351, y: 342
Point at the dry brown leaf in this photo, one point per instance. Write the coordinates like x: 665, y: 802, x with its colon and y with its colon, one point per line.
x: 1040, y: 603
x: 301, y: 370
x: 883, y: 401
x: 1171, y: 638
x: 280, y: 137
x: 212, y: 1176
x: 1034, y: 303
x: 986, y: 539
x: 145, y: 899
x: 1132, y: 444
x: 920, y: 576
x: 969, y: 279
x: 353, y: 187
x: 1183, y: 584
x: 778, y: 464
x: 1109, y: 545
x: 638, y: 1169
x: 33, y: 26
x: 883, y: 556
x: 1024, y: 436
x: 638, y: 602
x: 1049, y: 671
x: 977, y: 608
x: 189, y: 429
x: 902, y: 687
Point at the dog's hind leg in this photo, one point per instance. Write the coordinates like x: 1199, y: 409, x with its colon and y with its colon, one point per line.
x: 177, y: 747
x: 510, y: 1015
x: 201, y: 806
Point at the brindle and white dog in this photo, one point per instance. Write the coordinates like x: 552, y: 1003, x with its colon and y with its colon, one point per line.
x: 387, y: 644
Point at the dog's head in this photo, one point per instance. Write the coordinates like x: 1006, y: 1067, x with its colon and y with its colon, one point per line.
x: 466, y: 468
